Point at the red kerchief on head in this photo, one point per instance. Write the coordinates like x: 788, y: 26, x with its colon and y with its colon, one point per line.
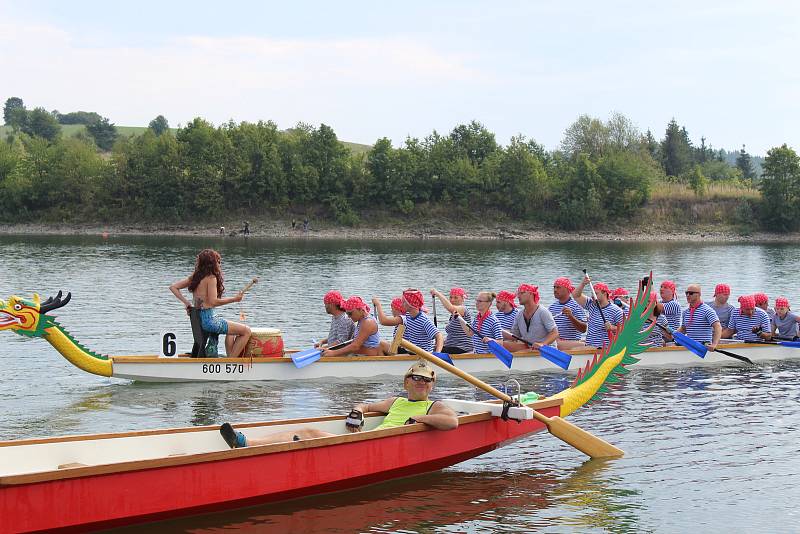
x: 355, y: 303
x: 528, y: 288
x: 458, y: 292
x: 619, y: 292
x: 507, y: 296
x: 722, y: 289
x: 761, y: 298
x: 600, y: 286
x: 333, y: 297
x: 669, y: 284
x: 747, y: 302
x: 414, y: 298
x: 397, y: 305
x: 565, y: 283
x: 781, y: 302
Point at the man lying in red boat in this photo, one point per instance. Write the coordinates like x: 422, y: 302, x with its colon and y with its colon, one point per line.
x: 418, y: 383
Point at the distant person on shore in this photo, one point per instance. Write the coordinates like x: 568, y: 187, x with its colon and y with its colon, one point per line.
x: 762, y: 301
x: 534, y: 323
x: 420, y: 330
x: 570, y: 316
x: 700, y: 321
x: 748, y: 323
x: 305, y: 225
x: 294, y: 224
x: 366, y: 339
x: 506, y: 309
x: 456, y: 342
x: 721, y: 305
x: 672, y: 308
x: 207, y: 286
x: 784, y: 324
x: 222, y: 230
x: 485, y: 324
x: 342, y: 327
x: 597, y: 332
x: 246, y: 228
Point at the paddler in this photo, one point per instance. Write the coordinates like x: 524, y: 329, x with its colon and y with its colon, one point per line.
x: 534, y: 323
x: 700, y: 321
x: 570, y: 316
x: 456, y: 342
x: 485, y: 323
x: 657, y: 336
x: 722, y: 307
x: 207, y: 285
x: 416, y: 407
x: 597, y: 332
x: 748, y: 323
x: 762, y: 301
x: 784, y: 324
x: 672, y: 308
x: 506, y: 309
x: 341, y: 328
x: 366, y: 339
x: 420, y: 330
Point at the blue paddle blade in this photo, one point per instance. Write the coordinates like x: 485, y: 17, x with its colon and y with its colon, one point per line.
x: 551, y: 354
x: 501, y: 352
x: 306, y: 357
x: 443, y: 356
x: 695, y: 346
x: 793, y: 344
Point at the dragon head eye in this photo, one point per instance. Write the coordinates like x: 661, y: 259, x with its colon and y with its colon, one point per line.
x: 17, y: 307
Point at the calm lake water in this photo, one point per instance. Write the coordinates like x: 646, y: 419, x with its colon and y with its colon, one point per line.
x: 710, y: 449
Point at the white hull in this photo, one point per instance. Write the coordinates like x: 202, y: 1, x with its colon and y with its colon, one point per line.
x: 158, y: 369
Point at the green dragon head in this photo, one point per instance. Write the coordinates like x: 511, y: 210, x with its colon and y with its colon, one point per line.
x: 29, y: 317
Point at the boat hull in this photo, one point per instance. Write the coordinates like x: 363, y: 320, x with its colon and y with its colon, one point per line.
x: 157, y: 369
x: 152, y: 490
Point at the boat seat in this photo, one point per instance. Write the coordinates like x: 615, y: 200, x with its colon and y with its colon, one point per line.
x: 200, y: 336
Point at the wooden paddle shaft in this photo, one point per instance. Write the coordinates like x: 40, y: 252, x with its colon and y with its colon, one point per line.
x: 247, y: 288
x: 455, y: 370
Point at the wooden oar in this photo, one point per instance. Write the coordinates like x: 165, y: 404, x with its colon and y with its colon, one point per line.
x: 551, y: 354
x: 597, y: 303
x: 570, y: 434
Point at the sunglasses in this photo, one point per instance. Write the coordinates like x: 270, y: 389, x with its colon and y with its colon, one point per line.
x: 692, y: 293
x: 417, y: 378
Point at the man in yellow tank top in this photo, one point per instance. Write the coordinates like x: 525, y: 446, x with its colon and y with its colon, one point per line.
x: 416, y: 408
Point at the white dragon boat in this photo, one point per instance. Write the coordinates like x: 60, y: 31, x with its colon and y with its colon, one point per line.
x: 29, y: 317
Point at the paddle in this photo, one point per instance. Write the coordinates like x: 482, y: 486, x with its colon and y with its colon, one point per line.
x: 567, y: 432
x: 435, y: 321
x: 698, y: 348
x: 597, y: 303
x: 443, y: 356
x: 494, y: 347
x: 309, y: 356
x: 561, y: 359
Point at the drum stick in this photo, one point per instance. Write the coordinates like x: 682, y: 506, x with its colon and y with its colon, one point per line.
x: 247, y: 288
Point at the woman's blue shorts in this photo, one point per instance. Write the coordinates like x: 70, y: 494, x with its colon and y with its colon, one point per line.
x: 212, y: 323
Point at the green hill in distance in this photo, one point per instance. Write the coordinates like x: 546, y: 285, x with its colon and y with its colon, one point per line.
x: 69, y: 130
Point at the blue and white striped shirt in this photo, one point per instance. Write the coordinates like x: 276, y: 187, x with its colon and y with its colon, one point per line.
x: 455, y: 334
x: 656, y: 337
x: 490, y: 328
x: 672, y: 311
x: 723, y: 312
x: 596, y: 333
x: 566, y: 330
x: 420, y: 331
x: 699, y: 325
x: 507, y: 320
x: 744, y: 325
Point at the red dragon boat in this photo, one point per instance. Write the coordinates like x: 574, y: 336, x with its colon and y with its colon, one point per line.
x: 80, y: 483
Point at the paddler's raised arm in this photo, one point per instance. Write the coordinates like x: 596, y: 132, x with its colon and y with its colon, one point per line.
x: 449, y: 306
x: 384, y: 319
x: 577, y: 293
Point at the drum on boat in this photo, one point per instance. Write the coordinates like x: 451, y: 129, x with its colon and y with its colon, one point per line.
x: 265, y: 342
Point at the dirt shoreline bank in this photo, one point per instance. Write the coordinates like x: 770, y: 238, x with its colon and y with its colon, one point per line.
x: 447, y: 231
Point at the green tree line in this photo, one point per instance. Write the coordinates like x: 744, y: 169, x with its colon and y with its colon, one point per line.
x: 603, y: 171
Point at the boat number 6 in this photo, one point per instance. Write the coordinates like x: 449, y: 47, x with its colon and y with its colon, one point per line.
x: 168, y: 345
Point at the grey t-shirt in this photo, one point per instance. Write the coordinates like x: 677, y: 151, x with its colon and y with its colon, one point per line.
x: 541, y: 324
x: 787, y: 327
x: 341, y: 329
x: 723, y: 312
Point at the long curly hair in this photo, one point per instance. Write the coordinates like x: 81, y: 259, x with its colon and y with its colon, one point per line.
x: 208, y: 262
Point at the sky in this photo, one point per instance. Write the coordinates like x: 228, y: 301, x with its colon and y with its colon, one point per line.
x: 728, y: 71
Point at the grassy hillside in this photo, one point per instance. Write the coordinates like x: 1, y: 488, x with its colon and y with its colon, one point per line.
x: 68, y: 130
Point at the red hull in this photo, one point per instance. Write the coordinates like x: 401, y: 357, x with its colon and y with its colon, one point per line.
x: 115, y: 499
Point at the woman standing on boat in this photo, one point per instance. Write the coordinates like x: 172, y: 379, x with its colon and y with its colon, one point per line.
x: 207, y: 285
x: 366, y: 339
x: 485, y: 323
x: 457, y: 342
